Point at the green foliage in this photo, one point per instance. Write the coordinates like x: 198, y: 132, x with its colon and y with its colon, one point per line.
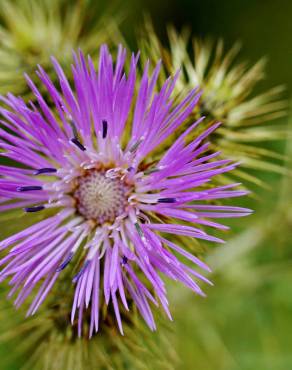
x: 48, y: 341
x: 31, y: 31
x: 228, y: 96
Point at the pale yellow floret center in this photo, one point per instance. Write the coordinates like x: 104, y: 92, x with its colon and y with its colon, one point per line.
x: 100, y: 198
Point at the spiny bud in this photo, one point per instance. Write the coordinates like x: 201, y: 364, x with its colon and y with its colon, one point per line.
x: 228, y: 88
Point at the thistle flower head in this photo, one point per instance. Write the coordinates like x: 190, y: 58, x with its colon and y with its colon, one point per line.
x: 228, y: 96
x: 113, y: 209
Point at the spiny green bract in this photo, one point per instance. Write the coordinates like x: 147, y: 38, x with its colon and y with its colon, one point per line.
x: 248, y: 119
x: 32, y: 31
x: 45, y: 341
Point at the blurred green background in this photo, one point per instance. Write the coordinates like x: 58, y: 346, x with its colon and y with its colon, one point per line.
x: 246, y: 321
x: 263, y: 27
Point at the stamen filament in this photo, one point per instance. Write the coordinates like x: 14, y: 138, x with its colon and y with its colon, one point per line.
x: 74, y: 129
x: 135, y: 146
x: 151, y: 170
x: 138, y: 228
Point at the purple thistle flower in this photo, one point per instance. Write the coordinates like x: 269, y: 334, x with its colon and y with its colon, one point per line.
x: 108, y: 195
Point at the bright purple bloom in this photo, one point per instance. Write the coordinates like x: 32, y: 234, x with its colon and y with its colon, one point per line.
x: 114, y: 199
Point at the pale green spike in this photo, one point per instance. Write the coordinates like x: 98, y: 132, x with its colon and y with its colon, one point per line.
x: 43, y: 342
x: 228, y: 95
x: 32, y: 31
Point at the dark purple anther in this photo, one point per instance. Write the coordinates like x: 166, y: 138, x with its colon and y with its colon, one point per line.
x: 124, y: 260
x: 45, y: 170
x: 104, y: 128
x: 78, y: 144
x: 66, y: 262
x: 166, y: 200
x: 28, y: 188
x: 81, y: 272
x: 34, y: 209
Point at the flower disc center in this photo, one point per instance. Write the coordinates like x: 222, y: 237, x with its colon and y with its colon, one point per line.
x: 100, y: 198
